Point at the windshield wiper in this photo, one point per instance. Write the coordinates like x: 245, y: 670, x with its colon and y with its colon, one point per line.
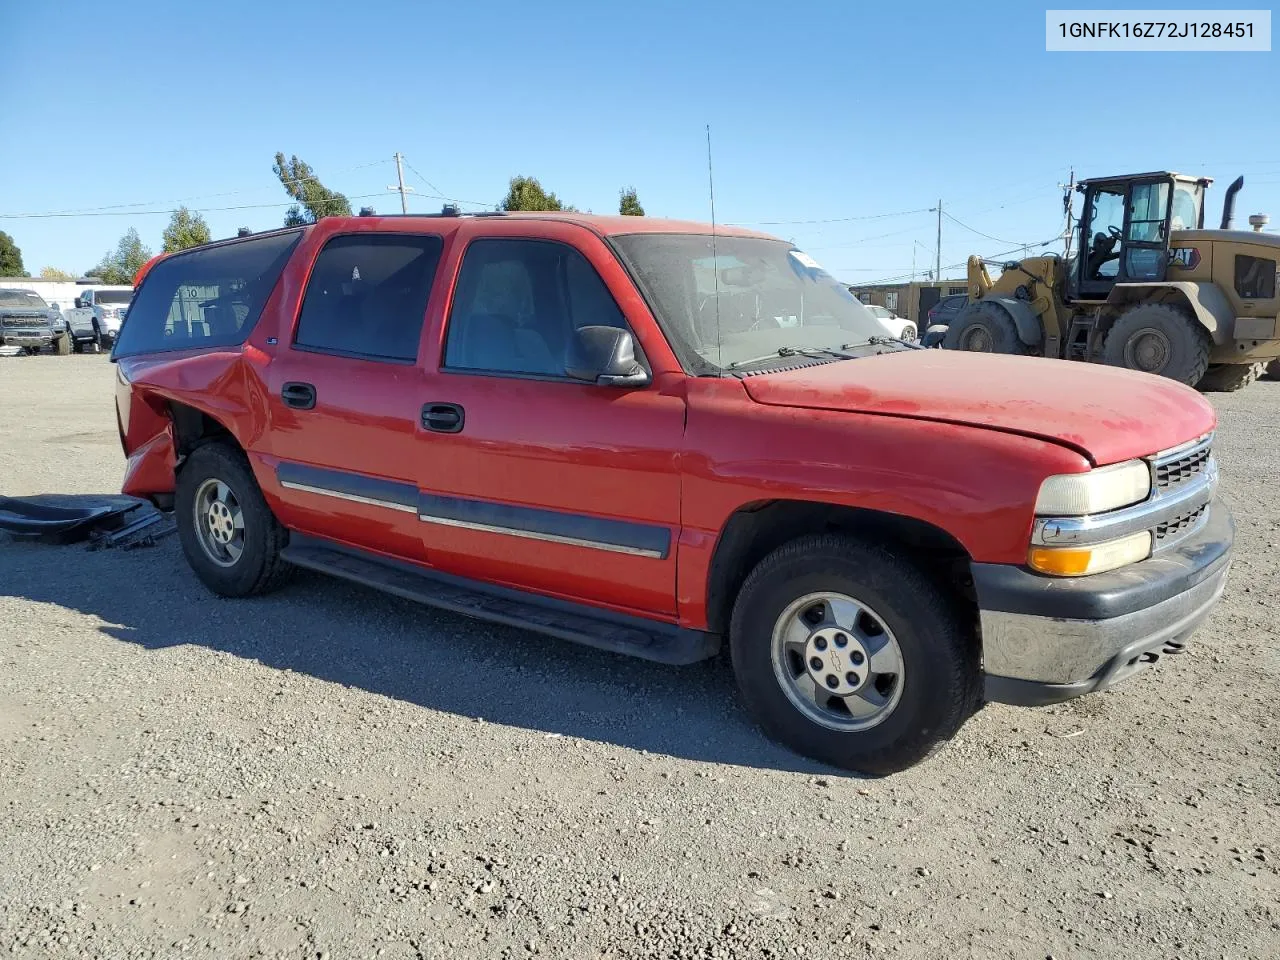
x: 881, y: 341
x: 793, y: 352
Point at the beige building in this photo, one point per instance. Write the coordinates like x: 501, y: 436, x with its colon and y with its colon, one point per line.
x: 911, y: 301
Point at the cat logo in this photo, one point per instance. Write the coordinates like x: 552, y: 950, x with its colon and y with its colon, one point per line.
x: 1184, y: 258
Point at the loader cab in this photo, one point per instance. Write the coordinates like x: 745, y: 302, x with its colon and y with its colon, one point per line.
x: 1125, y: 227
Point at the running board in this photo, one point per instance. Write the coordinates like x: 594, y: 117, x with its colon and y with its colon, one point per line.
x: 557, y: 618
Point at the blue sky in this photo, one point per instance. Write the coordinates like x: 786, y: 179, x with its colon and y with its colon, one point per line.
x: 820, y: 111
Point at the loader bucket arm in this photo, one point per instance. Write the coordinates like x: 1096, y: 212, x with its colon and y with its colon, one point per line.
x: 979, y: 280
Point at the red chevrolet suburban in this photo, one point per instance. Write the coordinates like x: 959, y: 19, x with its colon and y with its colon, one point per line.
x: 649, y: 436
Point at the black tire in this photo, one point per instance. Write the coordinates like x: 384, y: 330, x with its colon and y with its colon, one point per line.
x: 77, y: 346
x: 62, y: 345
x: 941, y: 676
x: 1273, y: 370
x: 1229, y: 377
x: 1160, y: 339
x: 96, y: 343
x: 984, y: 327
x: 259, y: 567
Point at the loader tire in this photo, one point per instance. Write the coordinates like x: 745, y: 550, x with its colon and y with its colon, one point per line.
x: 984, y: 328
x: 1273, y: 370
x: 1229, y: 377
x: 1160, y: 339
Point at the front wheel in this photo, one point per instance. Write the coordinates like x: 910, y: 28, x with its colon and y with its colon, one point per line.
x: 851, y: 655
x: 229, y: 535
x: 984, y: 327
x: 1161, y: 339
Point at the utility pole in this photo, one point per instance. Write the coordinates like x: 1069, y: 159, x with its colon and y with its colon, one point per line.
x: 937, y: 266
x: 1068, y: 202
x: 402, y: 189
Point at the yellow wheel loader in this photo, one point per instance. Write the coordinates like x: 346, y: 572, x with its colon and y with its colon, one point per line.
x: 1148, y: 288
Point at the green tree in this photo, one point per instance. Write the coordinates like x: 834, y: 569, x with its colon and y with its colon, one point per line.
x: 121, y: 265
x: 526, y: 193
x: 185, y: 229
x: 53, y: 273
x: 315, y: 200
x: 10, y: 257
x: 629, y: 203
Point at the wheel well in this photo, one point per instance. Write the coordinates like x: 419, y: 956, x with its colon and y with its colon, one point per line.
x: 756, y: 530
x: 192, y: 428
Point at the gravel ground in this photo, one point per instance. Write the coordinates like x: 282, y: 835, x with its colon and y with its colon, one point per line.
x: 330, y: 772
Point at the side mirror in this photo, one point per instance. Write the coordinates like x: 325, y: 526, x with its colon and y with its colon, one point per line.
x: 606, y: 356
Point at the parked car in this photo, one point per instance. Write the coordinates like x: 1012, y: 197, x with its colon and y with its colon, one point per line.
x: 26, y: 322
x: 940, y: 316
x: 894, y: 325
x: 98, y: 314
x: 597, y: 428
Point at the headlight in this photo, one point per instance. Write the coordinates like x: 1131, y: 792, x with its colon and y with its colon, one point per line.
x: 1097, y: 558
x: 1078, y: 494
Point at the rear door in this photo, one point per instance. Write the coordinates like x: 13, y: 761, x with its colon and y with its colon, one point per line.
x: 532, y: 479
x: 343, y: 392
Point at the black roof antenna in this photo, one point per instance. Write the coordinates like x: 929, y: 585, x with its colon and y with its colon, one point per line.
x: 715, y: 264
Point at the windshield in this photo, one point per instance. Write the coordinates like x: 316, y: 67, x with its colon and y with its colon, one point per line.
x: 754, y: 297
x: 26, y: 299
x: 113, y: 296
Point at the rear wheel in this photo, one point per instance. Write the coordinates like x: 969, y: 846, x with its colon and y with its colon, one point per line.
x: 1273, y: 370
x: 984, y: 328
x: 229, y: 535
x: 849, y: 654
x: 1229, y: 377
x: 1160, y: 339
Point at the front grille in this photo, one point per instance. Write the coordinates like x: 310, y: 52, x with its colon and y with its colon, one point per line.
x: 1175, y: 527
x: 1183, y: 467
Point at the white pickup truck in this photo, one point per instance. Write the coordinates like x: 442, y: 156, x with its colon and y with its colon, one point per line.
x: 97, y: 316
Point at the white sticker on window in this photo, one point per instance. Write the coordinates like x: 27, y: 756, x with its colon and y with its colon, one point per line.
x: 806, y: 261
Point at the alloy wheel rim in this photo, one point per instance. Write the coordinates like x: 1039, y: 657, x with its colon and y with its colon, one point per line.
x: 219, y: 522
x: 837, y: 661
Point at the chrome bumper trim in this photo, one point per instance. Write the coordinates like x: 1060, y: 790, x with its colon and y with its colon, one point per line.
x: 1060, y: 651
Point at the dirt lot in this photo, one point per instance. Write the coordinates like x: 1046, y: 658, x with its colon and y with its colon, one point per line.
x: 329, y: 772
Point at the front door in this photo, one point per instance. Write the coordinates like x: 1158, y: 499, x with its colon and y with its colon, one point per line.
x: 1145, y: 252
x: 343, y: 393
x: 1101, y: 231
x: 534, y: 480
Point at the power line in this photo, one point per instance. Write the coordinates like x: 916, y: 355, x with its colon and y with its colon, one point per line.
x: 439, y: 194
x: 781, y: 223
x: 972, y: 230
x: 144, y: 213
x: 89, y: 211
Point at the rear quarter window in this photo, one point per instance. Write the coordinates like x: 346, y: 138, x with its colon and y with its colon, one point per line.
x: 210, y: 297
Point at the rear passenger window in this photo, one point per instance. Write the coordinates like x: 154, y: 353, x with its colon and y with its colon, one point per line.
x: 1255, y: 278
x: 518, y: 303
x: 368, y: 295
x: 210, y: 297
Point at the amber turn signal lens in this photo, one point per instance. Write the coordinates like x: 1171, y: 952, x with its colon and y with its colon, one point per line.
x: 1097, y: 558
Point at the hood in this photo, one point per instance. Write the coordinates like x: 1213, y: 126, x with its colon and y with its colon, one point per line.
x: 1106, y: 413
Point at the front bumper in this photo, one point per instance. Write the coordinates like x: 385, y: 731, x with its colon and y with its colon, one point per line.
x: 23, y: 338
x: 1048, y: 639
